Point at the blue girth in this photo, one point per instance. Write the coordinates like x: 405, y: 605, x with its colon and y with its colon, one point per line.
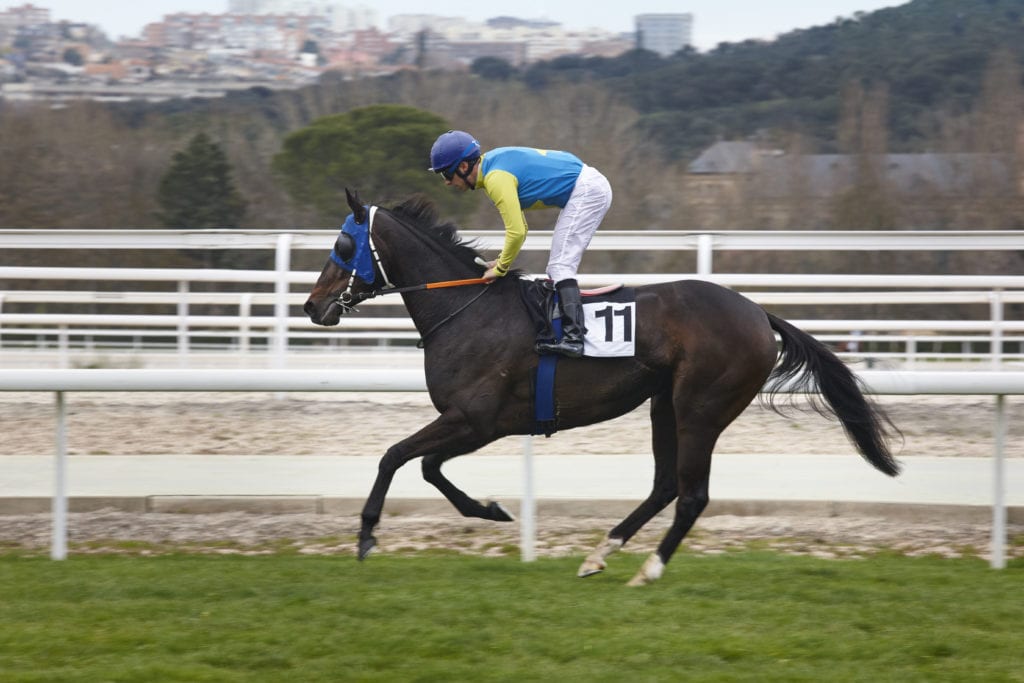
x: 546, y: 422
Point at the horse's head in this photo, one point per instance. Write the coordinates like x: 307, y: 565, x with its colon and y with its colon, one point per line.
x: 400, y: 247
x: 348, y: 276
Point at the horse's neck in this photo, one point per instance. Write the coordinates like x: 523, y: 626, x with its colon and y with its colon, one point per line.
x: 428, y: 262
x: 432, y: 269
x: 423, y: 261
x: 424, y: 269
x: 458, y: 313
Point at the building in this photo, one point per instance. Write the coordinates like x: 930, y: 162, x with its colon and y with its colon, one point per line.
x: 26, y: 15
x: 283, y: 34
x: 267, y: 41
x: 665, y: 34
x: 455, y: 42
x: 343, y: 18
x: 735, y: 183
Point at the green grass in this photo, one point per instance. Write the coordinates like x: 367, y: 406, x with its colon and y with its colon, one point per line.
x: 742, y: 616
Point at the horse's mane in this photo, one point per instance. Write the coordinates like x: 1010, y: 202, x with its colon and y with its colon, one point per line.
x: 420, y: 212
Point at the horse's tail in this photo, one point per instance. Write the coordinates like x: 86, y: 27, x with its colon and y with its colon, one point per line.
x: 805, y: 364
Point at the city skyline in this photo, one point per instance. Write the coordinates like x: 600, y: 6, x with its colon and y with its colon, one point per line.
x: 715, y: 21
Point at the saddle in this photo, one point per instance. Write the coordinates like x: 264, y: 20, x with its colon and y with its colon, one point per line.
x: 539, y: 298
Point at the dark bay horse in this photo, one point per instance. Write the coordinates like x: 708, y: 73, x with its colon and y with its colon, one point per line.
x: 703, y: 353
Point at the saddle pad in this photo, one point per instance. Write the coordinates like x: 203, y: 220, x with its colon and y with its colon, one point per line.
x: 611, y: 324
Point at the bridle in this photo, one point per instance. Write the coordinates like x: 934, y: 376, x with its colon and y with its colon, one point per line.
x: 348, y: 300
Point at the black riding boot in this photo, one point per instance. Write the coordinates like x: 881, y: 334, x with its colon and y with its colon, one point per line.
x: 573, y: 329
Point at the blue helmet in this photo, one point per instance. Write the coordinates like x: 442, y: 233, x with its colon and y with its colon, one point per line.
x: 451, y: 148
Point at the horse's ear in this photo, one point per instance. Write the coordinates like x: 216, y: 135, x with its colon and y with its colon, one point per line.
x: 356, y: 204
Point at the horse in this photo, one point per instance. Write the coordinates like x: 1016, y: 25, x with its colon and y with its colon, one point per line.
x: 702, y: 354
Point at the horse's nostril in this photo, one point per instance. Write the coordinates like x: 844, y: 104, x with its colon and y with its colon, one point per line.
x: 309, y: 308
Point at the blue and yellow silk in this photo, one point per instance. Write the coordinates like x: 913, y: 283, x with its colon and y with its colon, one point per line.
x: 519, y: 179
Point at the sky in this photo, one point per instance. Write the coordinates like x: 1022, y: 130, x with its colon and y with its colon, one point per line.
x: 715, y: 21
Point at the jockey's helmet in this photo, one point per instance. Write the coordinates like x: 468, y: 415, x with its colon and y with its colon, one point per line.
x: 450, y: 148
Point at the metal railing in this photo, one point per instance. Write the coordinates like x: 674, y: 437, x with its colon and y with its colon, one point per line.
x: 261, y: 327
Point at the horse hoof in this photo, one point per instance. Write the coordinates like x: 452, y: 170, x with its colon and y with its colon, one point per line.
x: 594, y: 563
x: 498, y: 513
x: 365, y: 546
x: 650, y: 571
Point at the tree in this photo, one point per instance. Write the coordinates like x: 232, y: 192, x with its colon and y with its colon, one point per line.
x: 73, y: 57
x: 381, y: 150
x: 868, y: 204
x: 198, y: 190
x: 494, y: 68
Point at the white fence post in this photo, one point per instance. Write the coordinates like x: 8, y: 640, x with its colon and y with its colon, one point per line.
x: 183, y: 323
x: 59, y: 542
x: 998, y: 559
x: 244, y: 330
x: 282, y: 287
x: 63, y: 347
x: 528, y: 506
x: 996, y: 306
x: 705, y: 252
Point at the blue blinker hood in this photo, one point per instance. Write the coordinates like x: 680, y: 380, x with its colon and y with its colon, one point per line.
x: 361, y: 262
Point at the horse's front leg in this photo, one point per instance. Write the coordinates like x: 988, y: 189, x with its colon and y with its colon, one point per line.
x: 449, y: 434
x: 469, y: 507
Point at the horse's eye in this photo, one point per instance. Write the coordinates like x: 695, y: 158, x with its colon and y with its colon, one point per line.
x: 345, y: 247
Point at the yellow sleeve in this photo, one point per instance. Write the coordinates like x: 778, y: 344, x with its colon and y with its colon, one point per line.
x: 503, y: 189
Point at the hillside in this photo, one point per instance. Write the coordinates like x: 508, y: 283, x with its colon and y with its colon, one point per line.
x: 930, y: 56
x: 940, y: 75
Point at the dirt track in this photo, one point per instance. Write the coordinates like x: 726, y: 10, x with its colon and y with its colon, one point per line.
x: 323, y: 424
x: 227, y: 424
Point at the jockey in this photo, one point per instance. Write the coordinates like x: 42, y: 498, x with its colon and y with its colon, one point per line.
x: 519, y: 179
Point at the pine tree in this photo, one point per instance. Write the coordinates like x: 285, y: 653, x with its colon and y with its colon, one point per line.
x: 381, y: 150
x: 198, y: 191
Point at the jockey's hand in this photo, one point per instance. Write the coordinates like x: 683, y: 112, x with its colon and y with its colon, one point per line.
x: 490, y: 273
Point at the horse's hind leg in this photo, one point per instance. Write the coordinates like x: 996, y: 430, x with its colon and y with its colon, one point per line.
x: 705, y: 403
x: 664, y: 491
x: 693, y: 472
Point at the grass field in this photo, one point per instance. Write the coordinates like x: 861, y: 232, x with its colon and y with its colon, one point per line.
x: 743, y: 616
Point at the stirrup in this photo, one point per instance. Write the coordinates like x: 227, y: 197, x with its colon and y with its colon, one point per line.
x: 565, y: 347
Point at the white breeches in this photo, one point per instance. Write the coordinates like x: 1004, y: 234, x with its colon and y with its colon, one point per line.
x: 578, y: 222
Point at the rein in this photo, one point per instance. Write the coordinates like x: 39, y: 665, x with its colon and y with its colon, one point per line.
x: 363, y: 296
x: 423, y: 339
x: 433, y: 285
x: 349, y: 300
